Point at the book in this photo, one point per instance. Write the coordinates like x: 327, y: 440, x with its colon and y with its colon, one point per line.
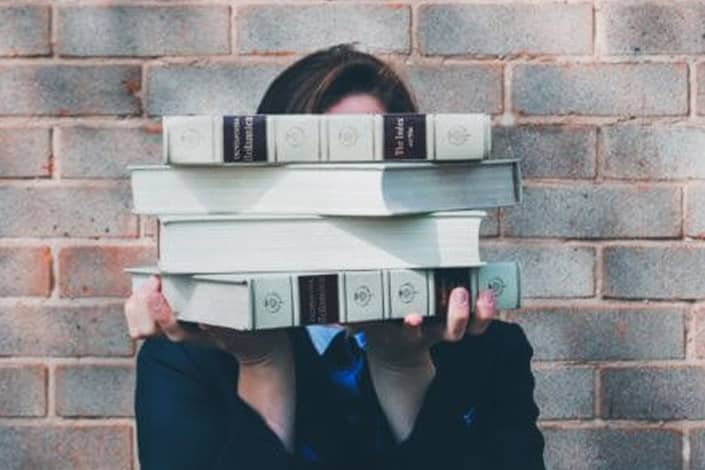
x: 266, y: 243
x: 284, y: 138
x: 256, y: 301
x: 369, y: 189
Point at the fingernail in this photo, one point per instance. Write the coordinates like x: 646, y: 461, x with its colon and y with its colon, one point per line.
x: 459, y: 295
x: 488, y: 295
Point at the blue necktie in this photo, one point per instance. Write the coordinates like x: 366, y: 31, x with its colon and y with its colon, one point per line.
x: 344, y: 358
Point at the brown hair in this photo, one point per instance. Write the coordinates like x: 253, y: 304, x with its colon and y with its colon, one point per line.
x: 321, y: 79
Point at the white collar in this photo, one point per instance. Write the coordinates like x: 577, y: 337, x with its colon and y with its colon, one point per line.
x: 322, y: 335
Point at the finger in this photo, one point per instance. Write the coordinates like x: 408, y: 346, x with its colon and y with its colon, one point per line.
x: 458, y: 314
x: 415, y: 325
x: 164, y: 318
x: 139, y: 320
x: 413, y: 319
x: 144, y: 326
x: 151, y: 285
x: 128, y: 309
x: 485, y: 312
x: 132, y: 330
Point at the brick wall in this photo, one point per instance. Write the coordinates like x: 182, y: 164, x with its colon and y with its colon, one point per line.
x: 603, y: 100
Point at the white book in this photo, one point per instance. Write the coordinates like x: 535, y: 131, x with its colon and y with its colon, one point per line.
x: 259, y: 242
x: 256, y: 301
x: 285, y: 138
x: 375, y: 189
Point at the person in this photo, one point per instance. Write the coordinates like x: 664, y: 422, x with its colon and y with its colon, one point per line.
x: 409, y: 394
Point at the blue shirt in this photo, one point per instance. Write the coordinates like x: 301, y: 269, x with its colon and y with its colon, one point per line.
x: 322, y: 336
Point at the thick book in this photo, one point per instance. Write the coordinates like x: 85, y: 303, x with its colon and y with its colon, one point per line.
x: 374, y: 189
x: 256, y: 301
x: 266, y: 243
x: 285, y: 138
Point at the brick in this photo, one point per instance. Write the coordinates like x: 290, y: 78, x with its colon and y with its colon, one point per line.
x: 383, y: 28
x: 67, y: 211
x: 143, y: 30
x: 64, y: 331
x: 457, y: 88
x: 596, y: 211
x: 207, y: 89
x: 25, y: 271
x: 548, y: 151
x: 66, y: 447
x: 500, y: 29
x: 610, y: 449
x: 603, y: 333
x: 97, y: 271
x: 24, y: 30
x: 94, y: 390
x: 697, y: 334
x: 565, y: 392
x: 69, y: 90
x: 664, y: 272
x: 697, y: 448
x: 601, y: 89
x: 490, y: 225
x: 150, y: 226
x: 695, y: 219
x: 652, y: 27
x: 639, y: 151
x: 93, y: 152
x: 23, y: 390
x: 554, y: 271
x: 653, y: 393
x: 700, y: 90
x: 24, y: 152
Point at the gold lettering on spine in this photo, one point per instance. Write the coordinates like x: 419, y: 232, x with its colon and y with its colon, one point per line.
x: 399, y: 137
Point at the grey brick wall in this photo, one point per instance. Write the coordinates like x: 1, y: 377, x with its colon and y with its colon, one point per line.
x: 604, y: 101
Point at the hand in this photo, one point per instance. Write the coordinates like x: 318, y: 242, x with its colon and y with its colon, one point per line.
x: 399, y: 355
x: 403, y: 345
x: 148, y: 314
x: 266, y: 379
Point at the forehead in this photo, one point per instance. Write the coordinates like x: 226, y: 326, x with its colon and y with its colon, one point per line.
x: 357, y: 103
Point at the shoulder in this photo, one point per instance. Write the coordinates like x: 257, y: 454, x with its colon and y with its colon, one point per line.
x: 506, y: 334
x: 499, y: 335
x: 158, y: 356
x: 501, y: 343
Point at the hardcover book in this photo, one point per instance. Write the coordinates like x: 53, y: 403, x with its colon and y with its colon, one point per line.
x: 285, y: 138
x: 370, y: 189
x: 259, y: 242
x: 255, y: 301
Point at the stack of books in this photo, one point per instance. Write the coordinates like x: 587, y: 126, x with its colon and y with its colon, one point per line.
x: 271, y: 221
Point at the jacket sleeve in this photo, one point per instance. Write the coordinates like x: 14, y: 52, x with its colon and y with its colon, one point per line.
x: 476, y: 415
x: 188, y: 414
x: 515, y: 437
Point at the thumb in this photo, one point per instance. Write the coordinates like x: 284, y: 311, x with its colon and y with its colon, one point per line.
x: 485, y: 311
x: 458, y: 314
x: 165, y: 318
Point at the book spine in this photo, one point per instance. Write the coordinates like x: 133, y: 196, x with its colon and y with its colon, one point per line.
x: 244, y: 139
x: 300, y: 299
x: 360, y: 296
x: 203, y: 140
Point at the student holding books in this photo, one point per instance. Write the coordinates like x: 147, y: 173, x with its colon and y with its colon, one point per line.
x: 409, y: 394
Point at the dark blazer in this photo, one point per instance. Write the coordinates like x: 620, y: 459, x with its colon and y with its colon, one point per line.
x: 479, y: 411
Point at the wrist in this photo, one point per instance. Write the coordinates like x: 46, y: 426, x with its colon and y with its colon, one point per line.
x: 267, y: 359
x: 406, y: 362
x: 400, y: 388
x: 265, y: 353
x: 267, y: 383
